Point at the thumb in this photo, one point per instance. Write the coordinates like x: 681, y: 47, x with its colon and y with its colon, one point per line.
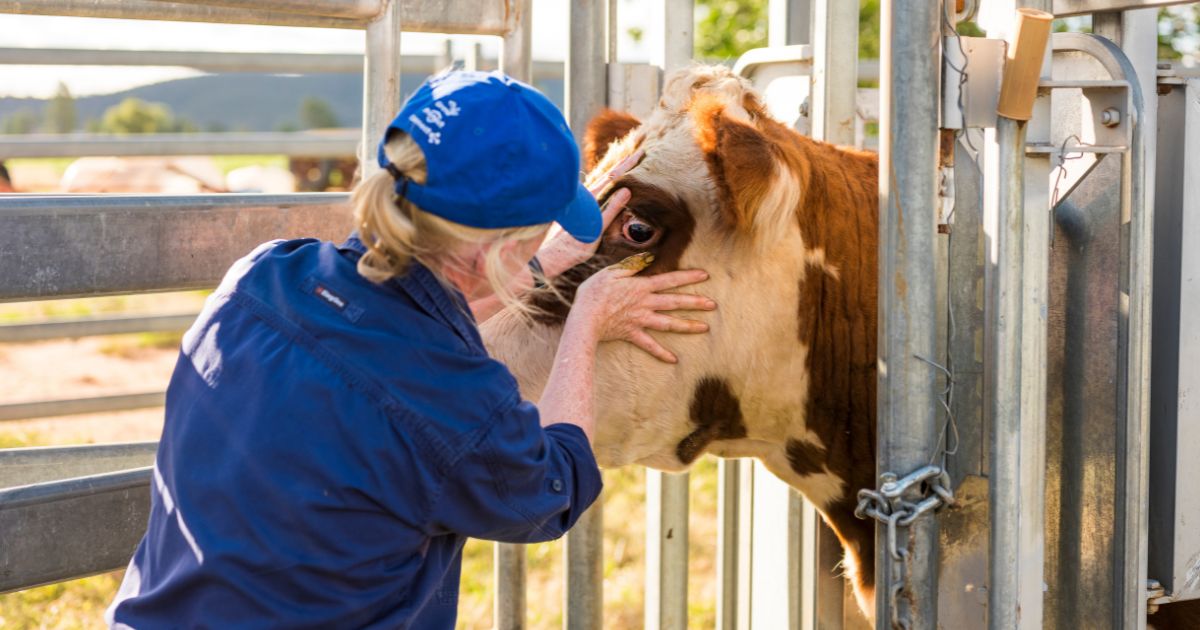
x: 631, y: 265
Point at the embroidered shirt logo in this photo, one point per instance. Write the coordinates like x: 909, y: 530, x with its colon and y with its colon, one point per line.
x: 435, y: 117
x: 329, y: 297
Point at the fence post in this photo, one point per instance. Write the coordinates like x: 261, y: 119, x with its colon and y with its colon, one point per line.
x: 585, y: 93
x: 381, y: 82
x: 907, y: 297
x: 667, y: 494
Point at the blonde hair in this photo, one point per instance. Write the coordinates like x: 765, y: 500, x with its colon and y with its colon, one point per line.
x: 396, y: 232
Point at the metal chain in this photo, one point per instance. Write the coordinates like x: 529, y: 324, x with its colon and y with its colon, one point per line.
x: 889, y: 506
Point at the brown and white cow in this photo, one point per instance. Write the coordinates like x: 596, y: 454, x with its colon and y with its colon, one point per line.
x: 787, y: 229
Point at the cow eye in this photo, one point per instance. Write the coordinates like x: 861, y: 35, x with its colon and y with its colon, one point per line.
x: 638, y: 232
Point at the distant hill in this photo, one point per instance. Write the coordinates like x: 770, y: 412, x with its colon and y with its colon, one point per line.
x: 243, y: 101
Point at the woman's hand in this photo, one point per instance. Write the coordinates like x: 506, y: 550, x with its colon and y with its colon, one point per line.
x: 614, y: 304
x: 561, y: 251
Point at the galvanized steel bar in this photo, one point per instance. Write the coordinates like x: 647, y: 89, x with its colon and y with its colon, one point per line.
x: 509, y: 603
x: 381, y: 83
x: 516, y: 59
x: 40, y: 464
x: 465, y: 17
x: 74, y: 246
x: 68, y: 529
x: 666, y: 551
x: 834, y: 81
x: 76, y: 406
x: 209, y: 61
x: 1079, y: 7
x: 1135, y: 32
x: 95, y: 326
x: 667, y: 495
x: 349, y: 9
x: 1004, y: 593
x: 790, y: 22
x: 585, y: 94
x: 333, y: 144
x: 908, y: 397
x: 834, y: 112
x: 735, y: 523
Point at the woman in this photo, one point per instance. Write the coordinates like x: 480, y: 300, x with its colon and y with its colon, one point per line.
x: 334, y: 427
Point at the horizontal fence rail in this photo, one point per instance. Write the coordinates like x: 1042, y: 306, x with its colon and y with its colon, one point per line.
x: 68, y: 246
x: 25, y: 466
x: 209, y: 61
x: 67, y: 529
x: 291, y: 144
x: 77, y: 406
x: 95, y: 326
x: 466, y: 17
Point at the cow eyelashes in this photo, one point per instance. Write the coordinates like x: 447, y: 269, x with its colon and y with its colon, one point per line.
x: 638, y: 232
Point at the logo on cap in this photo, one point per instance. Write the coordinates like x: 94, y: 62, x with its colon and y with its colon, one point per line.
x: 436, y: 116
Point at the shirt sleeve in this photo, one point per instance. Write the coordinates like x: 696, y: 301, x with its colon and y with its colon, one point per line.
x: 523, y: 483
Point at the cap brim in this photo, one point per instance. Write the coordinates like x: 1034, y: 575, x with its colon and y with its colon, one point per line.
x: 581, y: 218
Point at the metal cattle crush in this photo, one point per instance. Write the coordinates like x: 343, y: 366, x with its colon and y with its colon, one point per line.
x: 1034, y: 470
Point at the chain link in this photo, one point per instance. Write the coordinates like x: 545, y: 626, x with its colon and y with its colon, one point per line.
x: 891, y: 506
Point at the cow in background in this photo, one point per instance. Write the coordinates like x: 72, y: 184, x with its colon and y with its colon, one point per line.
x: 787, y: 229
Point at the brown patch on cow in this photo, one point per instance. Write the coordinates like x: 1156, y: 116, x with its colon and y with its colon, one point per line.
x: 839, y: 215
x: 740, y: 159
x: 716, y: 413
x: 604, y: 129
x: 651, y: 204
x: 805, y: 458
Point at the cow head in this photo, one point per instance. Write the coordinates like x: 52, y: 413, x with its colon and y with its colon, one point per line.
x: 786, y: 228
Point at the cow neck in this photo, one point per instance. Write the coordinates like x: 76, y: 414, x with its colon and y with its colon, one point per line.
x: 838, y: 216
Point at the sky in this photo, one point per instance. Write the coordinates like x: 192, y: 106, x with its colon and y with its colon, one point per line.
x: 26, y: 31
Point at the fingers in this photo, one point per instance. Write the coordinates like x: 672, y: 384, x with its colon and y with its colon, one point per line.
x: 666, y: 323
x: 656, y: 350
x: 680, y: 302
x: 619, y: 170
x: 615, y: 204
x: 676, y: 279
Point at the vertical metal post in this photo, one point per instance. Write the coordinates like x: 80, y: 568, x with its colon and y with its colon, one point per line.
x: 585, y: 91
x: 516, y: 56
x: 735, y: 522
x: 790, y: 22
x: 835, y: 71
x: 1135, y: 32
x: 509, y: 605
x: 667, y: 495
x: 666, y: 551
x: 381, y: 82
x: 516, y: 61
x: 1004, y: 593
x: 907, y: 322
x: 834, y: 111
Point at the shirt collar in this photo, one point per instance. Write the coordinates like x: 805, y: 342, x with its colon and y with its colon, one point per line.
x: 443, y: 302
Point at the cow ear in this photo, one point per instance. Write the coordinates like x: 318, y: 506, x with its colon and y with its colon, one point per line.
x: 757, y: 189
x: 606, y: 128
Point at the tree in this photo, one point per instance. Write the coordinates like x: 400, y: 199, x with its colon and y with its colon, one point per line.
x: 730, y: 28
x: 134, y: 115
x: 316, y: 114
x: 20, y: 122
x: 60, y: 111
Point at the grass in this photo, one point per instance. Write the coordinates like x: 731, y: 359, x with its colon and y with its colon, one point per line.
x: 80, y: 604
x: 26, y: 312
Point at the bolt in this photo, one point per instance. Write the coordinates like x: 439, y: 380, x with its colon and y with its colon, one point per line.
x: 1110, y: 117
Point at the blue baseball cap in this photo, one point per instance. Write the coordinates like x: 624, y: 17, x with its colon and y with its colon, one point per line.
x: 499, y: 155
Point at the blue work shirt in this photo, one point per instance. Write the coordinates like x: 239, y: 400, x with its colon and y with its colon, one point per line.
x: 329, y: 444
